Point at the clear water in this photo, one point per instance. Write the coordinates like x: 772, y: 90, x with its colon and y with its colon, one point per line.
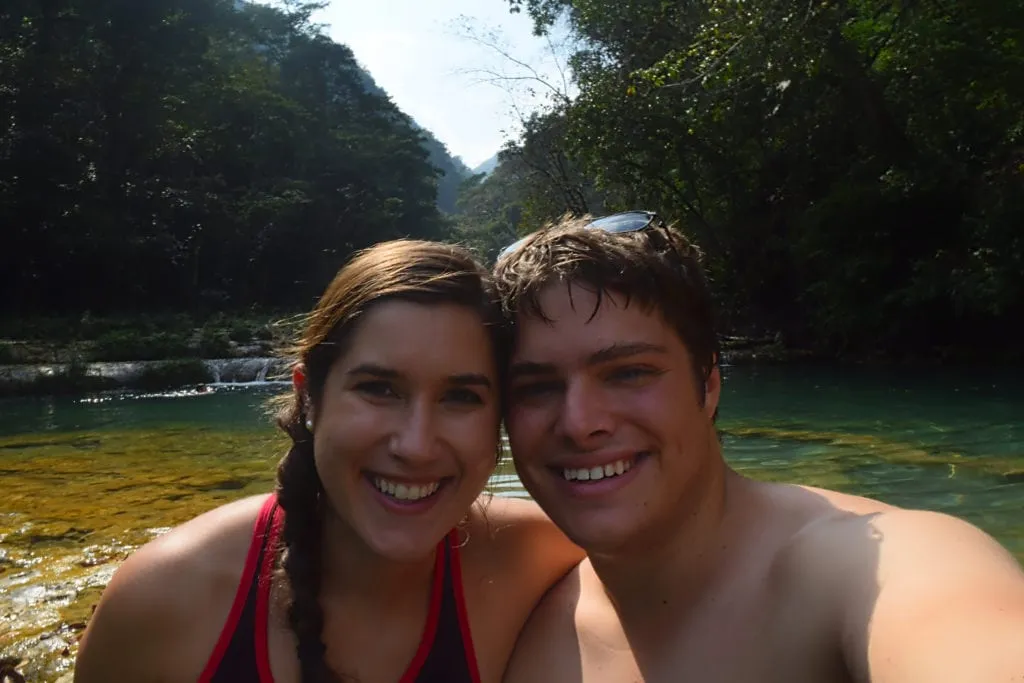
x: 86, y: 481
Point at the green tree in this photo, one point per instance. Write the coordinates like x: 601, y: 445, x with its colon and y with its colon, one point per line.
x: 851, y: 168
x: 193, y: 154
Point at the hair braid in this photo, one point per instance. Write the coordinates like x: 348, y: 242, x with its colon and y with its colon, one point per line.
x: 298, y: 491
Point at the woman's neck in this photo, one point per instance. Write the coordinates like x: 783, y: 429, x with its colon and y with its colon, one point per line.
x: 351, y: 570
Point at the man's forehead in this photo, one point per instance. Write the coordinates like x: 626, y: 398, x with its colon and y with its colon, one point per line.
x: 568, y: 301
x: 571, y: 335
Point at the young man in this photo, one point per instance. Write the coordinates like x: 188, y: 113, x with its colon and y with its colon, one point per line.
x: 695, y: 573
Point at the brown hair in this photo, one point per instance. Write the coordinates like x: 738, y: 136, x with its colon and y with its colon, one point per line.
x: 657, y: 267
x: 407, y: 270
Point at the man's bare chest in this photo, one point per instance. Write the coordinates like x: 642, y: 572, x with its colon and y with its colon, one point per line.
x: 736, y: 644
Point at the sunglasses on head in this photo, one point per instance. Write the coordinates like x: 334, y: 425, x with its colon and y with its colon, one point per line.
x: 627, y: 221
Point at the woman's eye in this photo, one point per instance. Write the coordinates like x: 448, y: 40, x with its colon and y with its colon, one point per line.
x: 377, y: 389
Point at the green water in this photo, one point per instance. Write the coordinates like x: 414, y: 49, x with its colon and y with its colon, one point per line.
x: 86, y: 481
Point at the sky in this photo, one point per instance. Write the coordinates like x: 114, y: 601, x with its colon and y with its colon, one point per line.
x: 421, y: 52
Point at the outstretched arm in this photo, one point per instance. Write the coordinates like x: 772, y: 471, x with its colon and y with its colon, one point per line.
x: 949, y: 606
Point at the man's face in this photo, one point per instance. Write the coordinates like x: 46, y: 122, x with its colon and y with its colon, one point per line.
x: 608, y: 429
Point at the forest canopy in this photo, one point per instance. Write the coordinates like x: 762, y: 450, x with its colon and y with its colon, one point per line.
x: 853, y: 169
x: 196, y: 154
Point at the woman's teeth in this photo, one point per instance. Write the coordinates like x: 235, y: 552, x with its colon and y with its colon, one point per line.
x: 401, y: 491
x: 612, y: 469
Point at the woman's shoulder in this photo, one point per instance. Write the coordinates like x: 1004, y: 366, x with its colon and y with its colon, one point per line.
x: 163, y: 610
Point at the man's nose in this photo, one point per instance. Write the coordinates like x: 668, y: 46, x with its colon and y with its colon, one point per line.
x: 585, y: 415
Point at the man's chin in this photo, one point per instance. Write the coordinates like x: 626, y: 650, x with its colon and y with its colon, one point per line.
x: 604, y: 532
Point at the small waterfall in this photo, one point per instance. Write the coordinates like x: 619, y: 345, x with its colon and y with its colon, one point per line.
x: 213, y: 367
x: 236, y: 371
x: 124, y: 374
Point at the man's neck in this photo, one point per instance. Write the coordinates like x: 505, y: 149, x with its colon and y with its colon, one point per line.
x: 679, y: 562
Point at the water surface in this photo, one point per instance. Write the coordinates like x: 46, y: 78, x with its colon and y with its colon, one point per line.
x: 89, y: 480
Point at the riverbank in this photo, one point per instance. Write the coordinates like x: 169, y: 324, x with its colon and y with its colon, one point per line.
x: 85, y: 354
x: 248, y: 364
x: 83, y: 378
x: 46, y: 340
x: 54, y: 356
x: 76, y: 355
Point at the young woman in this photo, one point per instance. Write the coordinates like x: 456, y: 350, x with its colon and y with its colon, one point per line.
x: 376, y: 559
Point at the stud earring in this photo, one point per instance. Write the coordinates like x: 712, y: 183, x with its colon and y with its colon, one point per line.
x: 309, y: 424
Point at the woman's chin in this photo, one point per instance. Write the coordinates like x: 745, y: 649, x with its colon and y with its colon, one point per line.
x: 404, y: 547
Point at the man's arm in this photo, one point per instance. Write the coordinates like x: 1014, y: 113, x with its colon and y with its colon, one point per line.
x: 948, y: 605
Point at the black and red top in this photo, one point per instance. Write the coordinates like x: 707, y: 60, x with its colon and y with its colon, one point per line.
x: 445, y: 652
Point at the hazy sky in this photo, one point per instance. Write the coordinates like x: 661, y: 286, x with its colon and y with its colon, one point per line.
x: 417, y: 52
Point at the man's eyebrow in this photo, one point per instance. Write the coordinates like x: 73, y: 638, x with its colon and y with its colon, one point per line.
x: 463, y: 379
x: 623, y: 350
x: 609, y: 353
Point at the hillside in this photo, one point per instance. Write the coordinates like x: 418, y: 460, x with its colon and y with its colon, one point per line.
x: 452, y: 170
x: 196, y: 156
x: 487, y: 167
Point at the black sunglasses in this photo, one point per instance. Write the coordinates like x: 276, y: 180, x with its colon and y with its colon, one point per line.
x: 627, y: 221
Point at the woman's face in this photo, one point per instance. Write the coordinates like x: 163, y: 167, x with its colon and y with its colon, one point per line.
x: 405, y: 433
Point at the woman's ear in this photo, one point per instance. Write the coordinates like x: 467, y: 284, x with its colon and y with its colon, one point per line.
x: 301, y: 387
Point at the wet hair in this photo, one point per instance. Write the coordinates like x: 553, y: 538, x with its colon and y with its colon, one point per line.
x: 405, y: 270
x: 657, y: 268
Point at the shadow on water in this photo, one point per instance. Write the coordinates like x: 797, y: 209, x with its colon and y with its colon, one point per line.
x: 88, y: 481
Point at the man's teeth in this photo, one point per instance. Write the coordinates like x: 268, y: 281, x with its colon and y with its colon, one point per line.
x: 405, y: 491
x: 612, y: 469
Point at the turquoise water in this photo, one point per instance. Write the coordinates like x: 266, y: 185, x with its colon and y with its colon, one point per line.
x: 940, y: 439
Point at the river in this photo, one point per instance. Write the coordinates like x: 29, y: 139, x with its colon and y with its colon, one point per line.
x: 87, y: 480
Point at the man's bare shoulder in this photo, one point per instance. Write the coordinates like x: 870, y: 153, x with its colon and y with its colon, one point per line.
x: 821, y: 531
x: 948, y: 604
x: 162, y: 612
x: 886, y: 576
x: 852, y: 539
